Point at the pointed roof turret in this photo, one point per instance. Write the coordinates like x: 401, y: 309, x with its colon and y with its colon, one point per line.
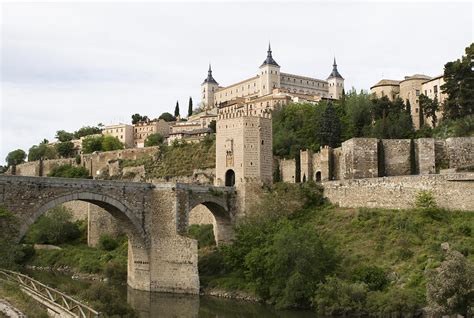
x: 209, y: 78
x: 269, y: 60
x: 335, y: 72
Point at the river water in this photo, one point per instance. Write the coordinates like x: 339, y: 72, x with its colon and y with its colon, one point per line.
x: 165, y: 305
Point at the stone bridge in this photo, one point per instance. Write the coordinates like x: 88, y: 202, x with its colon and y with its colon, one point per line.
x: 154, y: 216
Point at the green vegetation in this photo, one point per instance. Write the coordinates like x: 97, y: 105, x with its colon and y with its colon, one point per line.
x: 65, y: 149
x: 13, y: 294
x: 167, y: 117
x: 203, y: 233
x: 87, y: 131
x: 101, y: 143
x: 136, y: 118
x: 42, y: 151
x: 69, y: 171
x: 54, y: 227
x: 298, y: 251
x: 154, y: 140
x: 459, y: 85
x: 15, y: 157
x: 179, y: 159
x: 176, y: 110
x: 190, y: 106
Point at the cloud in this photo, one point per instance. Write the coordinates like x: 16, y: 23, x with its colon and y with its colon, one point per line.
x: 64, y: 65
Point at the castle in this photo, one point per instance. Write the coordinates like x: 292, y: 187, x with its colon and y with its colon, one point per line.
x: 409, y: 89
x: 270, y: 87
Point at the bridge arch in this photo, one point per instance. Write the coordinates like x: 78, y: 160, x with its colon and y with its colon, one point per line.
x: 116, y: 208
x: 223, y: 220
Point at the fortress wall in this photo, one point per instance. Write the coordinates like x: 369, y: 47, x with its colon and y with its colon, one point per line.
x: 425, y: 156
x: 360, y: 158
x: 397, y: 157
x: 453, y: 191
x: 96, y: 162
x: 30, y: 169
x: 288, y: 170
x: 460, y: 151
x: 78, y: 209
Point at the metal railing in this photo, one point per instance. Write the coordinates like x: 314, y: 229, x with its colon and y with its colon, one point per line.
x: 48, y: 295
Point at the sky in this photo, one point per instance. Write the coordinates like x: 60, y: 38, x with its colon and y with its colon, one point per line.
x: 64, y: 65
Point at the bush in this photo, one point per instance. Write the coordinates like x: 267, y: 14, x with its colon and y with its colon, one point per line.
x: 107, y: 300
x: 54, y: 227
x: 203, y: 233
x: 336, y: 297
x: 69, y: 171
x: 154, y: 140
x: 107, y: 243
x: 374, y: 277
x: 116, y: 272
x: 396, y: 302
x: 425, y: 199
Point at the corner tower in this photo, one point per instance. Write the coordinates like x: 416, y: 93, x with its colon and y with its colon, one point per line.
x: 269, y: 74
x: 208, y: 87
x: 335, y: 83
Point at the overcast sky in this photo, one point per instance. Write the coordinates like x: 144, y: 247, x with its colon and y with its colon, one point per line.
x: 66, y: 65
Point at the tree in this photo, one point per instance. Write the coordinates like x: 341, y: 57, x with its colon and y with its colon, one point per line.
x: 176, y: 110
x: 167, y: 117
x: 137, y: 118
x: 451, y: 287
x: 65, y: 149
x: 15, y: 157
x: 459, y: 86
x: 190, y: 106
x: 41, y: 151
x: 64, y: 136
x: 212, y: 126
x: 358, y: 117
x: 154, y: 140
x: 110, y: 143
x: 87, y: 131
x: 91, y: 144
x: 330, y: 128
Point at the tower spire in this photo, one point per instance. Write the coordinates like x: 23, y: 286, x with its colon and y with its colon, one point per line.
x: 269, y: 59
x: 209, y: 78
x: 335, y: 72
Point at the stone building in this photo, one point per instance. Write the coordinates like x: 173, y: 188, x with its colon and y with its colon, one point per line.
x: 143, y: 129
x: 243, y: 144
x: 122, y: 132
x: 409, y: 89
x: 190, y: 136
x: 268, y: 79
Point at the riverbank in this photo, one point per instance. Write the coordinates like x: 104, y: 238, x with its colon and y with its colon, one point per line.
x: 14, y: 303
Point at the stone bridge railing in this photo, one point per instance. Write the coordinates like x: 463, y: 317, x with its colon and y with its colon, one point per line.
x: 57, y: 303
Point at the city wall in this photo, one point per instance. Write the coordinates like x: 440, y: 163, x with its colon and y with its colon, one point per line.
x: 454, y: 191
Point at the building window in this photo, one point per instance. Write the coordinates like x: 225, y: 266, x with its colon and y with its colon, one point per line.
x: 417, y: 92
x: 435, y: 89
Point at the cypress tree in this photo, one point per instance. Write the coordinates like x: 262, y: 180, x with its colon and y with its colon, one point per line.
x: 176, y: 110
x: 330, y: 129
x: 190, y: 107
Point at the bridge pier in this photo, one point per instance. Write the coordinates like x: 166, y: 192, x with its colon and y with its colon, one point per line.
x: 154, y: 216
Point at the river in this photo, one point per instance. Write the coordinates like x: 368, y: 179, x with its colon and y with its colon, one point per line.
x: 165, y: 305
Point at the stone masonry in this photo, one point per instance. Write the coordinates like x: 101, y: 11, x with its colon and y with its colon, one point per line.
x: 154, y: 216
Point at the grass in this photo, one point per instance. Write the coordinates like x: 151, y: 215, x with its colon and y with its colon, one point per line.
x: 405, y: 243
x: 180, y: 159
x: 13, y: 294
x: 81, y: 258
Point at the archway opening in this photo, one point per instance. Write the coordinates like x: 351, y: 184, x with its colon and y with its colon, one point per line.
x: 230, y: 178
x: 119, y: 251
x: 202, y: 226
x: 318, y: 176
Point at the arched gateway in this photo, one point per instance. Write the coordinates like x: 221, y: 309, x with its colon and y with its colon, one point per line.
x: 154, y: 216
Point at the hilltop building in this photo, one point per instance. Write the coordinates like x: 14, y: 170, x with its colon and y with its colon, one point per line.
x: 409, y: 89
x: 122, y: 132
x: 268, y: 79
x: 143, y: 129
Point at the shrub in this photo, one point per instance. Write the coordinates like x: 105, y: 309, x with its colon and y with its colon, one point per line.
x: 425, y: 199
x: 107, y: 243
x: 116, y: 272
x: 107, y: 300
x: 336, y: 297
x: 396, y: 302
x: 54, y: 227
x: 451, y: 287
x: 69, y: 171
x: 374, y: 277
x: 203, y: 233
